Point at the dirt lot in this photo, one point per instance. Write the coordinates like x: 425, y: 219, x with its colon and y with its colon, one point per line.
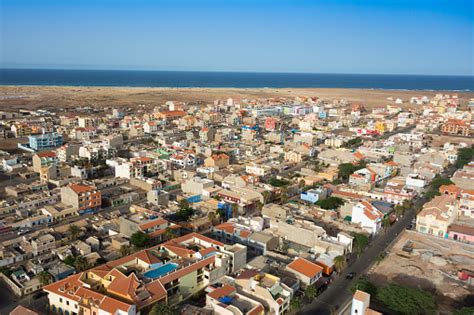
x: 31, y: 97
x: 432, y: 265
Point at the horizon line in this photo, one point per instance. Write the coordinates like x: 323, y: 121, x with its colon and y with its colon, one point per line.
x: 253, y: 72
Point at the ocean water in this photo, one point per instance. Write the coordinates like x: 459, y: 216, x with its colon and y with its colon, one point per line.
x: 134, y: 78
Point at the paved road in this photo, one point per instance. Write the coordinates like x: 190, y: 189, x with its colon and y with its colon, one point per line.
x: 337, y: 294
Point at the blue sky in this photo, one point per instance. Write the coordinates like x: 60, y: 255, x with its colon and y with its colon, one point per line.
x: 333, y: 36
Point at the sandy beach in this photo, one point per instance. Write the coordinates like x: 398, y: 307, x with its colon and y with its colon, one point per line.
x: 34, y: 97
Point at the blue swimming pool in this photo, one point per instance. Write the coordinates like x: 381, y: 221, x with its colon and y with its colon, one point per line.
x: 158, y: 272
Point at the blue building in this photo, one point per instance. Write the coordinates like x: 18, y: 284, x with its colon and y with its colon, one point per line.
x: 45, y: 141
x: 314, y: 195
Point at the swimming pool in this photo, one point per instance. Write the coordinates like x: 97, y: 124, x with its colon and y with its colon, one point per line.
x: 158, y: 272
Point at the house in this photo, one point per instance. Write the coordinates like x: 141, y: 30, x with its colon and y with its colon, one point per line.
x: 306, y: 271
x: 461, y: 232
x: 150, y: 127
x: 368, y: 216
x: 226, y: 300
x: 220, y: 160
x: 44, y: 159
x: 314, y: 195
x: 437, y: 215
x: 266, y: 289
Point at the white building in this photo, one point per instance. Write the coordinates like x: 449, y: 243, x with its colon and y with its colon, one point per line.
x: 369, y: 217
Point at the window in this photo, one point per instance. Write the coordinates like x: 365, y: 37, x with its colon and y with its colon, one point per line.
x: 60, y: 300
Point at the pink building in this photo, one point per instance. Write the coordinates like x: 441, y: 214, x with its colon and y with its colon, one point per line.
x: 461, y: 233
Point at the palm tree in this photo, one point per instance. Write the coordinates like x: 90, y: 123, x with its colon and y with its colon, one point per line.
x: 386, y: 223
x: 124, y: 250
x: 235, y: 210
x: 266, y: 196
x: 45, y: 278
x: 74, y: 231
x: 211, y: 215
x: 340, y: 263
x: 301, y: 184
x: 169, y: 234
x: 310, y: 292
x: 283, y: 196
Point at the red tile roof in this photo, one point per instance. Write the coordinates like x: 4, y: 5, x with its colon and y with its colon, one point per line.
x: 79, y: 188
x: 47, y: 154
x: 305, y: 267
x: 225, y: 290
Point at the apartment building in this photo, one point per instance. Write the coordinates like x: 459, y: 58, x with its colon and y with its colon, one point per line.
x: 45, y: 141
x: 84, y: 198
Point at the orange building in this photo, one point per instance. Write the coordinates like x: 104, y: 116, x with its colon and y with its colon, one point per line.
x: 84, y: 198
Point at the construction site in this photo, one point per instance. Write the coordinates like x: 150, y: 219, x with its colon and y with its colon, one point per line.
x: 443, y: 267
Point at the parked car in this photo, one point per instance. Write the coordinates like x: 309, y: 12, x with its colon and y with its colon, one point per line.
x: 351, y: 275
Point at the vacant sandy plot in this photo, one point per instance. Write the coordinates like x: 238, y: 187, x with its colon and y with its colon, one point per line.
x: 432, y: 265
x: 71, y: 97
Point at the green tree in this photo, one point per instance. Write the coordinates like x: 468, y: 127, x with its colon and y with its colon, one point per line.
x: 345, y: 170
x: 399, y: 210
x: 330, y: 203
x: 464, y: 311
x: 162, y: 308
x: 6, y: 271
x: 310, y: 292
x: 45, y: 278
x: 295, y: 304
x: 365, y: 285
x: 100, y: 261
x: 139, y: 239
x: 406, y: 300
x: 125, y: 250
x: 183, y: 204
x: 258, y: 206
x: 360, y: 242
x: 185, y: 214
x: 275, y: 182
x: 340, y: 263
x: 266, y: 196
x: 221, y: 214
x: 69, y: 260
x: 465, y: 155
x: 74, y: 231
x: 80, y: 263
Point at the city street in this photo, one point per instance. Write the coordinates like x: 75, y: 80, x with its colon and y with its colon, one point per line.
x: 337, y: 294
